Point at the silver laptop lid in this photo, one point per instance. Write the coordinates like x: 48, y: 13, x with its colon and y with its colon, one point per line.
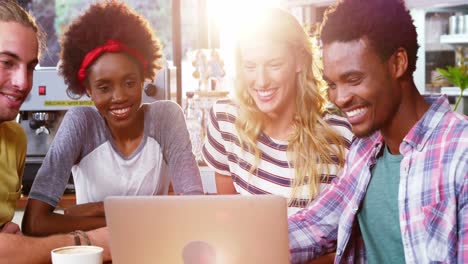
x: 198, y: 229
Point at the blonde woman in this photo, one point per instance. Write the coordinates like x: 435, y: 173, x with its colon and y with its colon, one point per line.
x: 276, y: 136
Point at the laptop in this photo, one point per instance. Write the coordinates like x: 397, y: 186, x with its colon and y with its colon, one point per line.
x: 221, y: 229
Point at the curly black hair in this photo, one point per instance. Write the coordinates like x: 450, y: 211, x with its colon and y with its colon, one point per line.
x: 101, y: 22
x: 387, y: 24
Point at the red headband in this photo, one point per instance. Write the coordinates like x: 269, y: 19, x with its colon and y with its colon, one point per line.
x: 110, y: 46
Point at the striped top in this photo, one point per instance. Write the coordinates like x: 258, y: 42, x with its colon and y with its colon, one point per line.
x: 432, y: 196
x: 274, y: 174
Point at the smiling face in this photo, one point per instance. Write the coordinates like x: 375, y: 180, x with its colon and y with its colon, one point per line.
x: 18, y: 58
x: 269, y: 72
x: 362, y: 85
x: 115, y: 85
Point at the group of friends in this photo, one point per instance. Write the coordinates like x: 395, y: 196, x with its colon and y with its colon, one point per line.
x: 373, y: 170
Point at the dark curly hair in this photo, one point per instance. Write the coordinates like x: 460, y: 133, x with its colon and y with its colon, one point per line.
x: 101, y: 22
x: 387, y: 25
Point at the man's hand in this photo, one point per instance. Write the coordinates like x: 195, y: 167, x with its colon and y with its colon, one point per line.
x: 11, y: 228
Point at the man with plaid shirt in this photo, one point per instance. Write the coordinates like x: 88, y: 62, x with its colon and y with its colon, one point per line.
x: 403, y: 193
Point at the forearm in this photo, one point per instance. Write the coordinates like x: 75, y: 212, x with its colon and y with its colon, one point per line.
x: 306, y: 245
x: 313, y: 231
x: 17, y: 249
x: 88, y: 209
x: 302, y: 245
x: 53, y: 223
x: 40, y: 220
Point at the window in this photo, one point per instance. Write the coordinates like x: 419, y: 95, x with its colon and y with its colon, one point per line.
x: 55, y: 15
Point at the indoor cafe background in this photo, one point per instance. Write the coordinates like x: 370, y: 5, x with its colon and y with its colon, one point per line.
x: 197, y: 35
x: 187, y: 26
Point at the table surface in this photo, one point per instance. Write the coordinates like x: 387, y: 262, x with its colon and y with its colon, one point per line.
x: 66, y: 201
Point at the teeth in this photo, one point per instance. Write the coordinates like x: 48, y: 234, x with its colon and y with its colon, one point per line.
x: 120, y: 111
x: 265, y: 93
x: 355, y: 112
x: 12, y: 98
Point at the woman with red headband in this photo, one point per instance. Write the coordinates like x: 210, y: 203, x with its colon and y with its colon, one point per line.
x: 121, y: 147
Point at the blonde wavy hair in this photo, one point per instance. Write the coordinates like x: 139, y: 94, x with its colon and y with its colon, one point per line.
x: 314, y: 143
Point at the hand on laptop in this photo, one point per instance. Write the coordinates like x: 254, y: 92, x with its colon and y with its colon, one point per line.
x: 100, y: 237
x: 88, y: 209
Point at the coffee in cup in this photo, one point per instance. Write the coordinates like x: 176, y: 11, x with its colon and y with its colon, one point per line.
x: 77, y: 255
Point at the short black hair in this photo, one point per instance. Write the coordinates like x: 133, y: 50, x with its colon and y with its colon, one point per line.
x: 387, y: 25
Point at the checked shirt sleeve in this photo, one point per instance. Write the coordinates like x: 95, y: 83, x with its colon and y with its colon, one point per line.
x: 313, y: 231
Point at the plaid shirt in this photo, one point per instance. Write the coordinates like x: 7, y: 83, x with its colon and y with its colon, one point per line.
x: 432, y: 199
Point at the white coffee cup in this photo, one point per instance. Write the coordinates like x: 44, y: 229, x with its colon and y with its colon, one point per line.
x: 77, y: 255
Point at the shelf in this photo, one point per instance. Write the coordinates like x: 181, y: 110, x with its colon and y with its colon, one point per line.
x: 452, y: 91
x: 431, y: 4
x: 454, y: 39
x: 216, y: 94
x: 438, y: 47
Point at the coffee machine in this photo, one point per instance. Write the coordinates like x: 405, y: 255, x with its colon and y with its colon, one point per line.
x: 46, y: 105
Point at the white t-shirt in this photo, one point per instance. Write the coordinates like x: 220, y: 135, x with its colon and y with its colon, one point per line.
x: 83, y: 145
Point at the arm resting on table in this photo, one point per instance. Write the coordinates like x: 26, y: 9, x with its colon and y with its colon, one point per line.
x: 18, y: 249
x: 40, y: 220
x: 88, y: 209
